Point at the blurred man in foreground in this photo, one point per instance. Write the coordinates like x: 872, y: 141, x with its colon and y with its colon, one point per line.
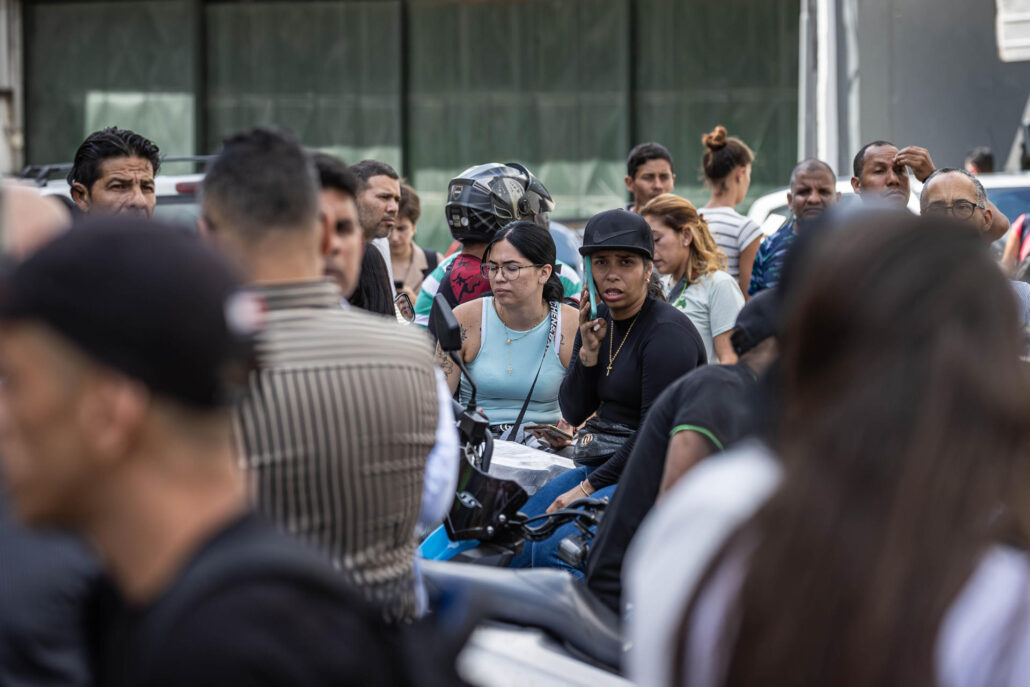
x: 114, y: 172
x: 44, y: 576
x: 123, y: 433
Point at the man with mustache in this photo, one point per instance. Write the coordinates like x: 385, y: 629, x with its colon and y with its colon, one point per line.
x: 113, y: 174
x: 812, y: 192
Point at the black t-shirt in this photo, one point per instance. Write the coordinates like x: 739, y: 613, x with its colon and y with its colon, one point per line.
x: 291, y: 623
x: 45, y: 579
x: 662, y: 346
x: 716, y: 402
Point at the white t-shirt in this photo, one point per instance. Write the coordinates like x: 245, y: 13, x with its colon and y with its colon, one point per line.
x: 984, y: 638
x: 712, y: 303
x: 733, y: 232
x: 671, y: 550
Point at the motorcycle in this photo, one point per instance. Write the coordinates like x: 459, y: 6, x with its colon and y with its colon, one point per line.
x: 537, y: 625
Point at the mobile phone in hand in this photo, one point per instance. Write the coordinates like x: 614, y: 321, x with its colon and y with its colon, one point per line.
x: 588, y: 276
x: 551, y: 430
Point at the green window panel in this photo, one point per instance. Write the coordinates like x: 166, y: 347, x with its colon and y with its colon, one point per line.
x: 94, y: 64
x: 731, y: 62
x: 328, y: 71
x: 538, y: 82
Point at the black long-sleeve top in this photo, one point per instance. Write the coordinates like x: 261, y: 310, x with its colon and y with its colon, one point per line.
x: 662, y: 347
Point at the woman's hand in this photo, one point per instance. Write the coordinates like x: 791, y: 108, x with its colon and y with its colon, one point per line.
x: 580, y: 491
x: 591, y: 332
x: 555, y: 441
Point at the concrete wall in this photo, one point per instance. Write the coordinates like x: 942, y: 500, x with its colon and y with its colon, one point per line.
x: 928, y: 74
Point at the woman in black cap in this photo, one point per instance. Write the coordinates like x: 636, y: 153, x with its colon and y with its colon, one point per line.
x: 621, y: 361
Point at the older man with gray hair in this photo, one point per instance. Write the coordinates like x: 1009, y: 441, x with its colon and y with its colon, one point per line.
x: 958, y: 193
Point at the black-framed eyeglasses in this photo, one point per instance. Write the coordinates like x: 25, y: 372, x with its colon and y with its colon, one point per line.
x: 960, y: 209
x: 509, y: 269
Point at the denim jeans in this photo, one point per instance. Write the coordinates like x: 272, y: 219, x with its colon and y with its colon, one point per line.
x: 544, y: 554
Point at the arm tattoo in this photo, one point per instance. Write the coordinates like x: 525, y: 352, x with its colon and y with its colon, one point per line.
x: 464, y: 333
x: 445, y: 362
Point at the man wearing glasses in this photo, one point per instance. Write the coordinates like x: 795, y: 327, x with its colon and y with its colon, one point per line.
x: 958, y: 193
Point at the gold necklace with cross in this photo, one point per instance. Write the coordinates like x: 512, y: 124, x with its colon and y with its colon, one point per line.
x: 611, y: 358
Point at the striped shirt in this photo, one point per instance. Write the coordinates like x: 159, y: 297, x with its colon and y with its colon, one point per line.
x: 335, y: 430
x: 572, y: 287
x: 733, y: 232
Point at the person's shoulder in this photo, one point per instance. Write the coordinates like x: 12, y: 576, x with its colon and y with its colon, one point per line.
x: 988, y: 613
x: 268, y: 631
x: 722, y: 212
x: 719, y: 278
x: 671, y: 319
x: 355, y: 329
x: 471, y: 312
x: 666, y: 559
x: 442, y: 266
x: 569, y: 313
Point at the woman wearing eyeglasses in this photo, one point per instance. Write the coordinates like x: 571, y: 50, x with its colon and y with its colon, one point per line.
x: 522, y: 328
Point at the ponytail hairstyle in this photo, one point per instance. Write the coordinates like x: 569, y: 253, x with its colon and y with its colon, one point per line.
x: 537, y: 246
x: 723, y: 154
x: 680, y: 215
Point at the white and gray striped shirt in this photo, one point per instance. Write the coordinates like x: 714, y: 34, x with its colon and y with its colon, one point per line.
x: 335, y: 430
x: 733, y: 232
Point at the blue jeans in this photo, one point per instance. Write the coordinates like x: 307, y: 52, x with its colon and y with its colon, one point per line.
x: 544, y: 554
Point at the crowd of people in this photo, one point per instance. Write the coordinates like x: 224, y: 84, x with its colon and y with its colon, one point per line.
x: 813, y: 445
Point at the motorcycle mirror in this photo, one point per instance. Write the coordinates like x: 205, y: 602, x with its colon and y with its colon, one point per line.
x: 445, y: 324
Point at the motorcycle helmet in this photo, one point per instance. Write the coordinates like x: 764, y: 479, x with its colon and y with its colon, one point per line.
x: 484, y: 198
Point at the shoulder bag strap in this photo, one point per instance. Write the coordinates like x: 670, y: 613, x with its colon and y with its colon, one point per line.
x: 552, y: 334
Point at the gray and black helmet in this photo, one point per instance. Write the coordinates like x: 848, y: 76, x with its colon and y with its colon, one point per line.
x: 483, y: 199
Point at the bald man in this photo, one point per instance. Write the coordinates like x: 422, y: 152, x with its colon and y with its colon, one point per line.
x: 813, y: 191
x: 29, y: 220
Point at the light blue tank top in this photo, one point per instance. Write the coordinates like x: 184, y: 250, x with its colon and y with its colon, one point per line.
x: 501, y: 394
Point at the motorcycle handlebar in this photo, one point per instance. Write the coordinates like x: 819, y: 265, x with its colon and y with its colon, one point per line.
x: 580, y: 509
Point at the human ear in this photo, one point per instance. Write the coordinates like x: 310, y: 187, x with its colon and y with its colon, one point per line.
x: 113, y: 410
x: 80, y: 196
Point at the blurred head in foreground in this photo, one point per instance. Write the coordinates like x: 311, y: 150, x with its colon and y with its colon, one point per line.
x: 119, y: 349
x: 903, y: 437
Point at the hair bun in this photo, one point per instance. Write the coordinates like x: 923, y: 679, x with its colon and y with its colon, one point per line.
x: 716, y: 139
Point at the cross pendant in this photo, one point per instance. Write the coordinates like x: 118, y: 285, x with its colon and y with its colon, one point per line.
x: 608, y: 371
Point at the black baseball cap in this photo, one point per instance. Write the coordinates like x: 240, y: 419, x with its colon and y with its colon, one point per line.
x: 150, y: 300
x: 618, y: 230
x: 756, y: 321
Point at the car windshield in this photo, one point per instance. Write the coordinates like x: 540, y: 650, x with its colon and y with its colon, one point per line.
x: 1012, y: 202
